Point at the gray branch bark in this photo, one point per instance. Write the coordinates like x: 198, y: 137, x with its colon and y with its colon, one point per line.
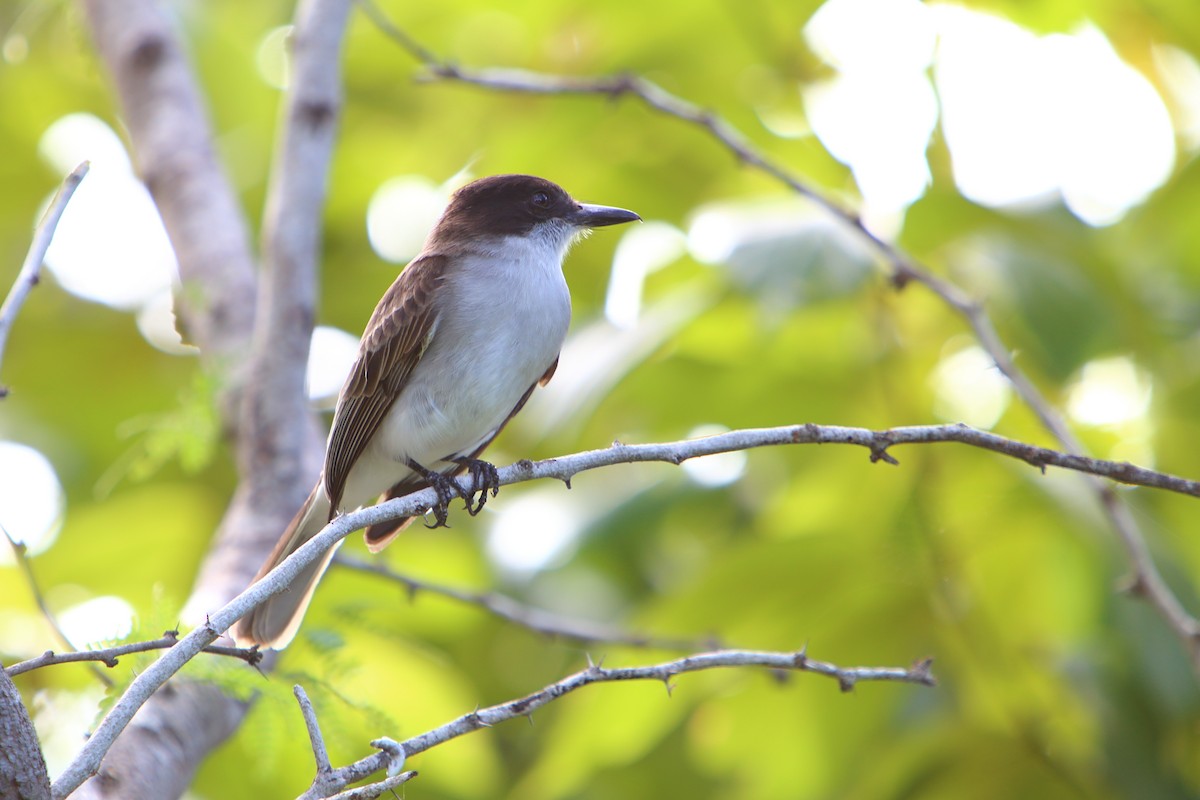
x: 172, y: 146
x: 22, y: 769
x: 156, y: 755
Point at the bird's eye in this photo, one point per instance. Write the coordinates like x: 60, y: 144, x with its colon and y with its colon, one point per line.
x: 541, y: 200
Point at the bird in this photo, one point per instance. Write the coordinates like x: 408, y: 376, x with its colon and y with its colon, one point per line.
x: 452, y: 352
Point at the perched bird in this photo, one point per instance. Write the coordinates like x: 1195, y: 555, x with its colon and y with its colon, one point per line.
x: 454, y: 349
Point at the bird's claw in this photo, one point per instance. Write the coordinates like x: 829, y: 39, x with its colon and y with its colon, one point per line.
x: 485, y: 478
x: 445, y: 487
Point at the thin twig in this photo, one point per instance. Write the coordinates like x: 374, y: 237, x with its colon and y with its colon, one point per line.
x: 43, y: 234
x: 328, y: 780
x: 1147, y: 579
x: 320, y: 753
x: 847, y: 678
x: 375, y: 790
x: 22, y: 559
x: 534, y: 619
x: 108, y: 656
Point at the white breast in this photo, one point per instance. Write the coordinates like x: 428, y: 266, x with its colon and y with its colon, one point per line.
x: 503, y: 326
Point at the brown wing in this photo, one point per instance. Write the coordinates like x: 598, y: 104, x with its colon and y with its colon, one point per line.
x: 379, y: 535
x: 394, y: 340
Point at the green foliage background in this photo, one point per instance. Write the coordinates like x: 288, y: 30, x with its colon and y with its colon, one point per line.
x: 1052, y: 685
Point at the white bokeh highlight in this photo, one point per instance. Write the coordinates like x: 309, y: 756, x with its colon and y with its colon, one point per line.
x: 968, y: 387
x: 110, y: 246
x: 272, y: 58
x: 97, y: 619
x: 401, y: 214
x: 877, y: 112
x: 330, y: 356
x: 1031, y: 119
x: 1110, y: 391
x: 718, y: 469
x: 158, y: 326
x: 642, y: 250
x: 538, y: 530
x: 31, y: 499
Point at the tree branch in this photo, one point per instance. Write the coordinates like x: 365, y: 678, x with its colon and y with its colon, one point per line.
x: 320, y: 754
x: 173, y: 148
x: 535, y: 619
x: 281, y: 445
x: 22, y: 767
x: 22, y: 560
x: 172, y: 143
x: 109, y: 656
x: 392, y: 752
x: 29, y: 275
x: 877, y: 442
x: 564, y: 469
x: 277, y: 455
x: 1147, y: 580
x: 329, y: 780
x: 386, y: 786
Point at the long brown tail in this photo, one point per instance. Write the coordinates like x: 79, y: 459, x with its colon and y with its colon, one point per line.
x: 274, y: 623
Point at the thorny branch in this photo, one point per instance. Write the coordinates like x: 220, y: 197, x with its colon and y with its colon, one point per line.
x: 1146, y: 581
x: 392, y: 754
x: 329, y: 780
x: 18, y: 549
x: 108, y: 656
x: 564, y: 469
x: 534, y: 619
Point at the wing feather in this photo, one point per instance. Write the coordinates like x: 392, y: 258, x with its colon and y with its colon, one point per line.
x: 395, y: 338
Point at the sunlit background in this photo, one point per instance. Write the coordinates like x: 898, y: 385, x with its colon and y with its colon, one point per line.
x: 1032, y: 123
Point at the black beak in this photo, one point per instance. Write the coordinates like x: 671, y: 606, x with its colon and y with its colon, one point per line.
x: 589, y: 216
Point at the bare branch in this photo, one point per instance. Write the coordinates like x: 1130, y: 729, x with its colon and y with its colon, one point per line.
x: 22, y: 767
x: 29, y: 275
x: 535, y: 619
x: 109, y: 656
x: 878, y: 442
x: 563, y: 468
x: 904, y: 269
x: 847, y: 678
x: 329, y: 780
x: 275, y: 396
x: 388, y: 785
x: 172, y: 144
x: 320, y: 754
x: 22, y: 559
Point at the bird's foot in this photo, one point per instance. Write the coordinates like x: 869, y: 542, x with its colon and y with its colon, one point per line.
x: 485, y: 478
x: 446, y: 487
